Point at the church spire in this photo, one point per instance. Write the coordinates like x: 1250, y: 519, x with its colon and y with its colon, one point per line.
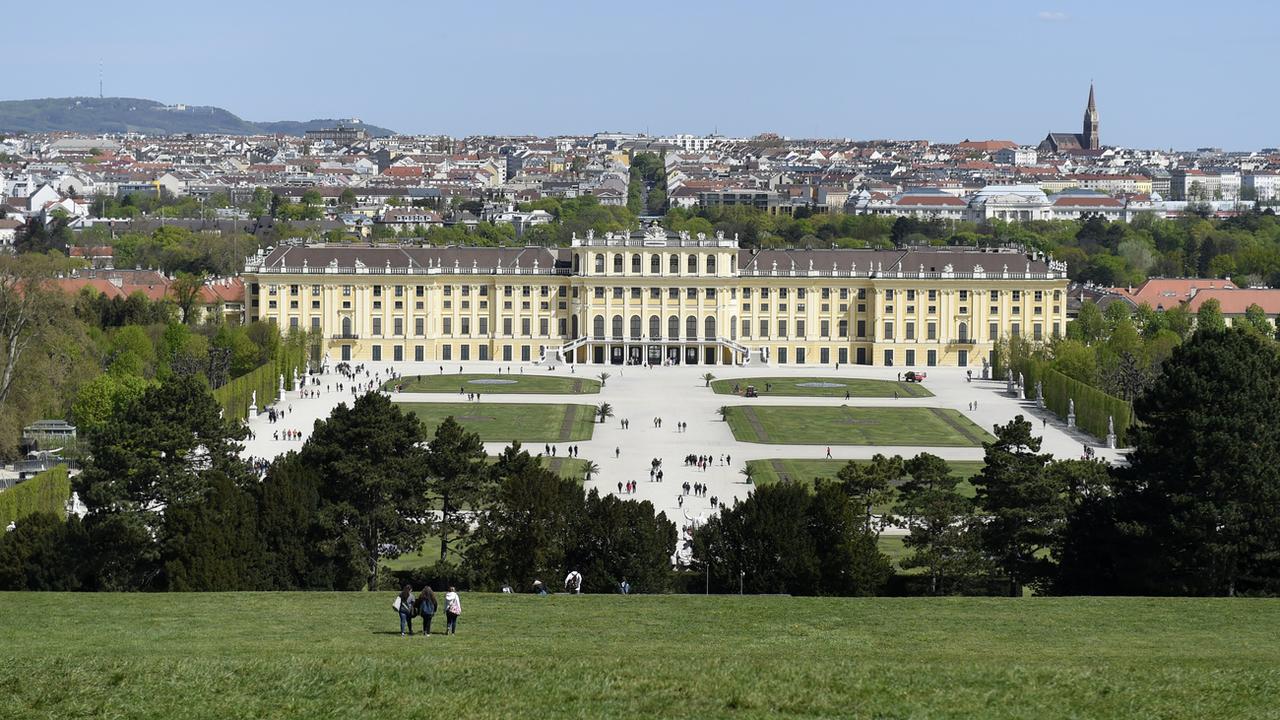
x: 1089, y: 138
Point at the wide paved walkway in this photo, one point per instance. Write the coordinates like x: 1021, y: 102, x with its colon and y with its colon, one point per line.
x: 677, y: 394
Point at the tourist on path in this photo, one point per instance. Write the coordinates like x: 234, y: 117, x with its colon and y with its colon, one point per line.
x: 452, y: 609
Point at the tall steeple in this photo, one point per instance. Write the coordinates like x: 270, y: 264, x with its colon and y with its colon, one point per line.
x: 1089, y: 139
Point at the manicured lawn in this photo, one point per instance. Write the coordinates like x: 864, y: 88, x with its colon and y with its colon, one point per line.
x: 845, y: 425
x: 804, y: 387
x: 503, y: 422
x: 322, y: 655
x: 487, y: 383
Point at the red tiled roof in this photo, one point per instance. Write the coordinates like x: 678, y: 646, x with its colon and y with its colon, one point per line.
x: 1236, y: 302
x: 1167, y: 292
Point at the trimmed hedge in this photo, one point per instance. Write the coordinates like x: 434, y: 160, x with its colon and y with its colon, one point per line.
x: 235, y: 396
x: 47, y: 492
x: 1093, y: 406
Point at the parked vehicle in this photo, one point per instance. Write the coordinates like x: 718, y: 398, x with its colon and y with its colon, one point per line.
x: 751, y: 392
x: 913, y: 376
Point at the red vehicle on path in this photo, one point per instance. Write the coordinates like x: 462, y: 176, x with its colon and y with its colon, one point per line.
x: 913, y: 376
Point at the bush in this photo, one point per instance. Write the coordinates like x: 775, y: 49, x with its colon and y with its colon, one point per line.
x: 47, y: 492
x: 1093, y: 406
x: 441, y: 575
x: 291, y: 357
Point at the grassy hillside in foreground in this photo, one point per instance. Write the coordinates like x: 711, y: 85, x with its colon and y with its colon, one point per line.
x: 327, y: 655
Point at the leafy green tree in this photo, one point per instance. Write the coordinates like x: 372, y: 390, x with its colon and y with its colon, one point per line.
x: 212, y: 544
x: 1179, y: 320
x: 943, y: 537
x: 1256, y: 318
x: 101, y: 398
x: 374, y: 491
x: 849, y: 561
x: 456, y: 479
x: 1089, y: 324
x: 1196, y: 502
x: 163, y: 450
x: 298, y: 553
x: 604, y: 411
x: 1025, y: 505
x: 616, y: 539
x: 186, y: 294
x: 871, y: 484
x: 1209, y: 316
x: 131, y: 353
x: 529, y: 527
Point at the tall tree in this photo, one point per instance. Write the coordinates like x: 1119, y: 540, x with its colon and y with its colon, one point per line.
x: 529, y: 528
x: 162, y: 450
x: 943, y: 532
x: 1024, y: 504
x: 870, y: 485
x: 618, y: 539
x: 1197, y: 500
x: 849, y: 561
x: 455, y: 465
x: 186, y: 294
x: 1209, y: 316
x: 374, y: 490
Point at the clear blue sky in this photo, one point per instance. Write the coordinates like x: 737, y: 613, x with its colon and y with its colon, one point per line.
x: 1168, y: 74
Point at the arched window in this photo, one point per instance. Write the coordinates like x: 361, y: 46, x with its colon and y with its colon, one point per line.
x: 346, y: 327
x: 693, y: 264
x: 635, y: 264
x: 962, y: 331
x: 574, y: 324
x: 617, y: 263
x: 709, y: 328
x: 655, y: 327
x: 597, y: 327
x: 691, y: 328
x: 617, y: 327
x: 674, y: 265
x: 673, y: 328
x: 635, y: 327
x: 600, y: 264
x: 711, y: 264
x: 655, y: 264
x: 733, y: 327
x: 577, y: 263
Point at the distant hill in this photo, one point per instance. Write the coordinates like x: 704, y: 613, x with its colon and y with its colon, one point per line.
x: 93, y: 116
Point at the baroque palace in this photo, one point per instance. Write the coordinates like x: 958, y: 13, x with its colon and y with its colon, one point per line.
x: 654, y: 296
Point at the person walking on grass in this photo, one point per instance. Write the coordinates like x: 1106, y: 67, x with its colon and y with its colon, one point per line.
x: 452, y: 609
x: 404, y: 607
x: 426, y: 608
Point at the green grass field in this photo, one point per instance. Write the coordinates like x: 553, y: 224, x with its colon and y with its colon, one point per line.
x: 796, y: 387
x: 845, y: 425
x: 485, y: 383
x: 322, y: 655
x: 504, y: 422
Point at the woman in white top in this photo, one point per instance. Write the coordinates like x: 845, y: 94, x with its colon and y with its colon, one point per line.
x: 452, y: 609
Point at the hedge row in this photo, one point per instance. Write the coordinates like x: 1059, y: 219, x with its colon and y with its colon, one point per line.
x: 47, y: 492
x: 235, y: 396
x: 1093, y: 406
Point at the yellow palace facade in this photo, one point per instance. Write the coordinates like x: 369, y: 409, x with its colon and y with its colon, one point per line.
x: 653, y: 296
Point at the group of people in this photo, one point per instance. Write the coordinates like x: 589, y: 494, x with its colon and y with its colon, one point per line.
x: 697, y: 489
x: 702, y: 462
x: 286, y: 435
x: 425, y: 606
x: 627, y: 488
x: 550, y: 450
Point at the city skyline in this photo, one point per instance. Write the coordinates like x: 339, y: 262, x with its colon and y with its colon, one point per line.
x: 866, y: 72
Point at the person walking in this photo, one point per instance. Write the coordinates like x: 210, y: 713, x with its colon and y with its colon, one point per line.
x: 828, y: 452
x: 426, y: 608
x: 573, y: 582
x: 452, y: 609
x: 404, y: 607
